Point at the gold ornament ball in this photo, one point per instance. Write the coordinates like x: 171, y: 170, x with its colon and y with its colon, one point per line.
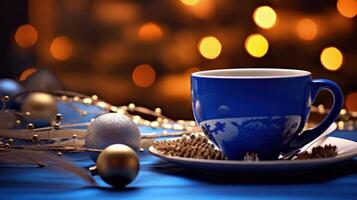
x: 118, y: 165
x: 40, y: 106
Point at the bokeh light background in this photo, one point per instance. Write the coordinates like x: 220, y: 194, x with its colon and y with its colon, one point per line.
x: 144, y: 51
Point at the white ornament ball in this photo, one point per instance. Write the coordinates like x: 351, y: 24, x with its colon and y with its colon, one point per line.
x: 112, y: 128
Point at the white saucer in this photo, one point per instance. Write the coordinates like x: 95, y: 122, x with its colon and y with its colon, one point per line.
x: 346, y: 149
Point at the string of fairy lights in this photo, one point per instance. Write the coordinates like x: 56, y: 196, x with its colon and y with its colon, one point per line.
x: 209, y: 46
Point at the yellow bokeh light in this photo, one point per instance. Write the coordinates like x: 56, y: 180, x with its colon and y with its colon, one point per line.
x: 347, y: 8
x: 26, y: 36
x: 190, y: 2
x: 28, y: 72
x: 210, y: 47
x: 331, y: 58
x: 61, y: 48
x: 306, y: 29
x: 144, y: 75
x: 256, y: 45
x: 149, y: 32
x: 265, y: 17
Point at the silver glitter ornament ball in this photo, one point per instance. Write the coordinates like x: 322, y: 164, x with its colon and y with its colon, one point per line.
x: 118, y: 165
x: 112, y: 128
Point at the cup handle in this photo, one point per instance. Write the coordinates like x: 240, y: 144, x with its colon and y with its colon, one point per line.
x: 311, y: 134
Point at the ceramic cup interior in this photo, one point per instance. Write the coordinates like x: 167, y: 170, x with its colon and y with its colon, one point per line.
x: 251, y: 73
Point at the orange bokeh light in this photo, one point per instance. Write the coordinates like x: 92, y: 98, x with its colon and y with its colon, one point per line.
x: 61, y: 48
x: 28, y: 72
x: 26, y: 36
x: 351, y: 101
x: 149, y: 32
x: 347, y: 8
x: 144, y: 75
x: 306, y: 29
x: 176, y: 86
x: 115, y: 12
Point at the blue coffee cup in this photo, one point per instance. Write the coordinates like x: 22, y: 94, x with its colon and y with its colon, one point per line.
x: 259, y: 110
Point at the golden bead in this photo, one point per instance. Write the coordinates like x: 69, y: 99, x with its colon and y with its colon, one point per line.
x: 340, y: 125
x: 87, y: 101
x: 167, y: 126
x: 113, y: 109
x: 136, y: 119
x: 159, y: 119
x: 121, y: 111
x: 158, y: 110
x: 321, y: 109
x: 180, y: 122
x: 11, y: 141
x: 102, y: 104
x: 58, y: 117
x: 30, y: 126
x: 354, y: 114
x: 131, y: 106
x: 56, y: 126
x: 154, y: 124
x: 35, y: 137
x: 177, y: 127
x: 147, y: 122
x: 94, y: 97
x: 64, y: 98
x: 6, y: 98
x: 76, y: 98
x: 192, y: 123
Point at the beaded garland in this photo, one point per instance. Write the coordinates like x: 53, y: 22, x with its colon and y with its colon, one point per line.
x: 40, y: 136
x: 346, y: 121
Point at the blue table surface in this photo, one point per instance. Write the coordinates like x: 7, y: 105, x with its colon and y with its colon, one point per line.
x: 158, y: 179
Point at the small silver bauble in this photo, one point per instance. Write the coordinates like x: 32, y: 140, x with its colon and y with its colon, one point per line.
x: 118, y: 165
